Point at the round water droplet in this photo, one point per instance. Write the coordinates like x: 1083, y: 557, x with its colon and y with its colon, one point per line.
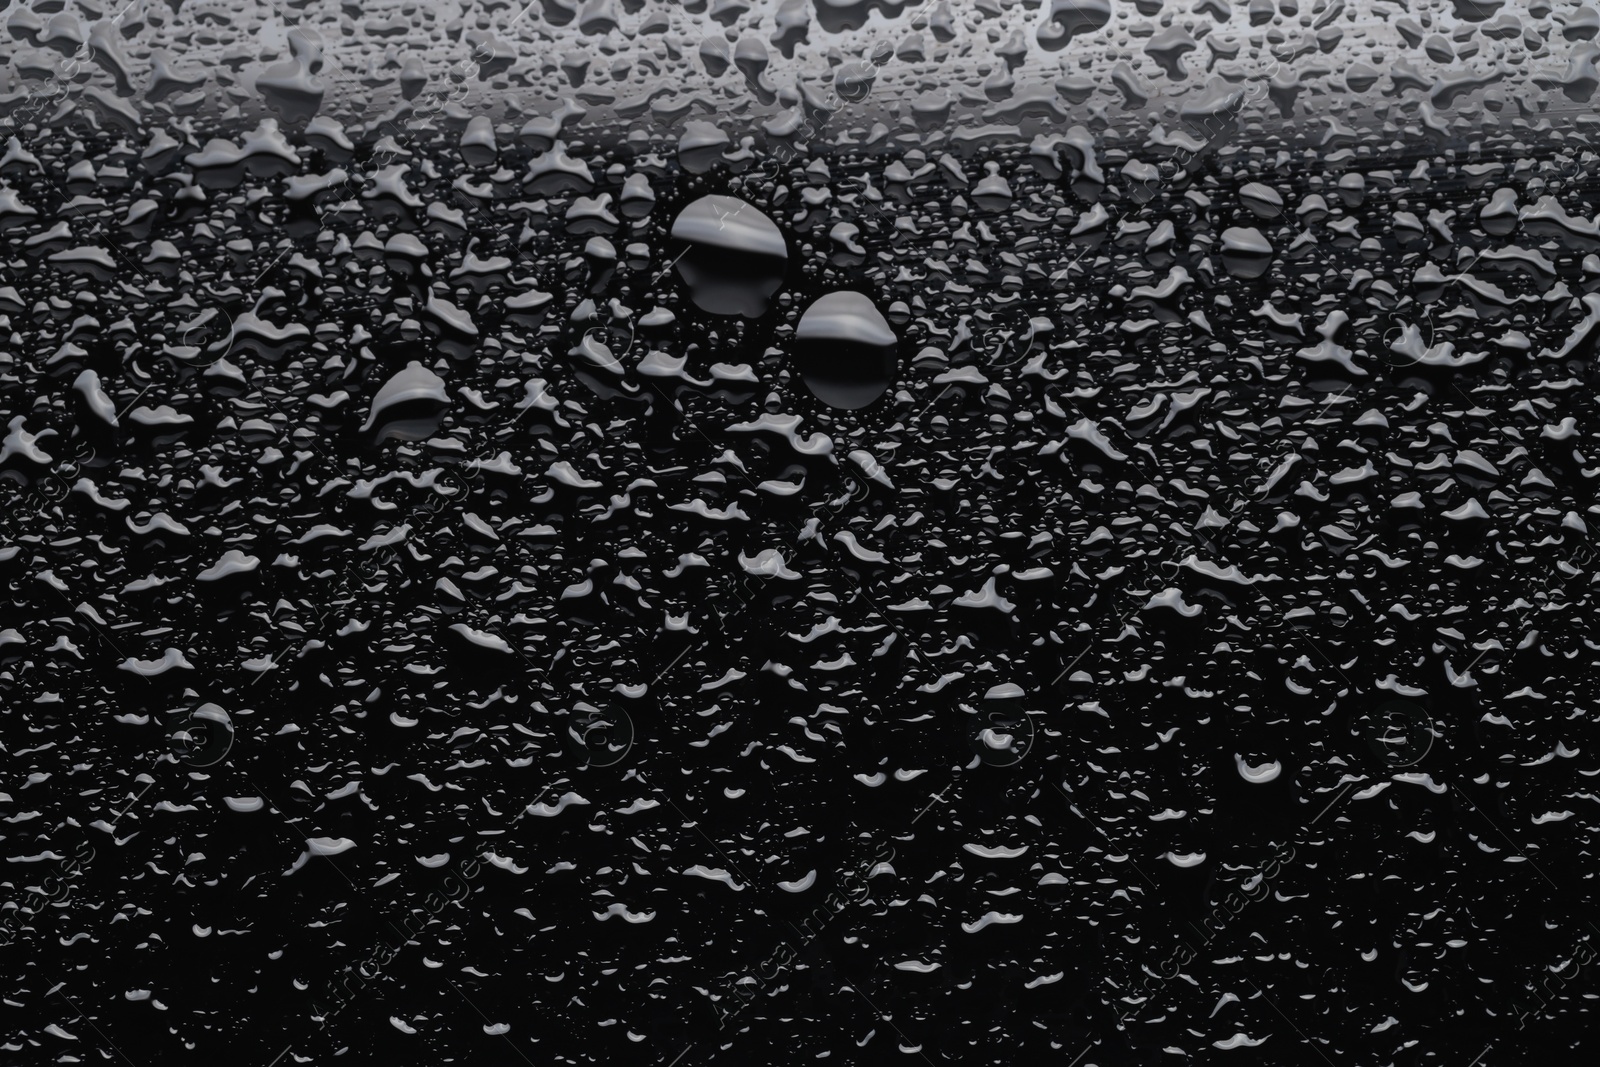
x: 1399, y: 732
x: 204, y: 738
x: 736, y: 256
x: 600, y: 738
x: 1000, y: 731
x: 845, y: 350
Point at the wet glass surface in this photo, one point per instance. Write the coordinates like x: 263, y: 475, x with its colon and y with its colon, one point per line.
x: 621, y: 531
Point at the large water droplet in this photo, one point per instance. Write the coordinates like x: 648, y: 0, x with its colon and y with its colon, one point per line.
x: 845, y: 350
x: 409, y: 407
x: 735, y: 259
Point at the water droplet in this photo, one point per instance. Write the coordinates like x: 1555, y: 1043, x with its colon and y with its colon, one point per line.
x: 409, y: 406
x: 845, y: 351
x: 736, y: 256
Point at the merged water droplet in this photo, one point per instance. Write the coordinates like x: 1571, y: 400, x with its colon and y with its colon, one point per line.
x: 1067, y: 19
